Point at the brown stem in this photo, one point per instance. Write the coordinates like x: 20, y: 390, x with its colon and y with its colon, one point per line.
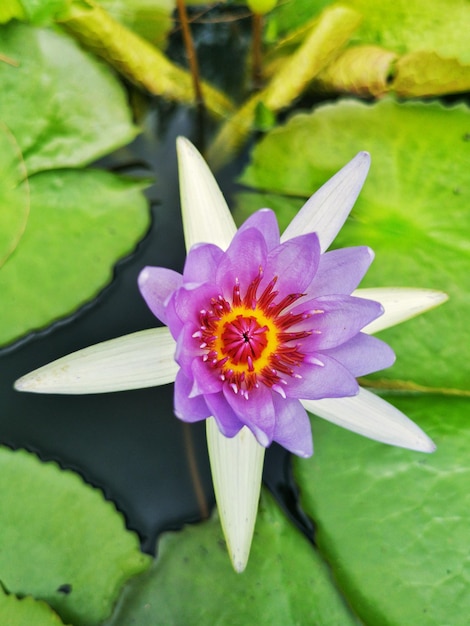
x: 9, y: 61
x: 194, y: 471
x: 190, y: 52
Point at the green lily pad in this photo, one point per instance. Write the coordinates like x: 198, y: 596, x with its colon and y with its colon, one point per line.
x: 14, y: 195
x: 26, y: 611
x: 401, y: 26
x: 80, y: 222
x: 410, y: 25
x: 41, y: 11
x: 55, y: 120
x: 436, y: 57
x: 10, y: 9
x: 394, y: 524
x: 151, y: 19
x: 61, y: 541
x: 192, y: 582
x: 413, y: 211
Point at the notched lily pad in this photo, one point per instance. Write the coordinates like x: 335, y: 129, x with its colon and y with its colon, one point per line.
x: 65, y: 108
x: 80, y: 222
x: 27, y: 611
x: 192, y: 582
x: 393, y: 524
x: 61, y: 541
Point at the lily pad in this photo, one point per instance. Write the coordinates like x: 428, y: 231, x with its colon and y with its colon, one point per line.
x: 401, y: 26
x: 436, y: 58
x: 55, y: 120
x: 10, y: 9
x: 413, y: 211
x: 14, y: 195
x: 192, y: 582
x: 80, y: 222
x: 61, y: 541
x: 394, y: 524
x: 151, y: 19
x: 42, y: 10
x: 410, y: 25
x: 26, y: 611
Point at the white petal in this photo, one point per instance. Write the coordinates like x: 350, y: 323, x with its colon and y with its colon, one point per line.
x: 206, y: 216
x: 400, y: 304
x: 326, y: 211
x: 142, y: 359
x: 370, y: 416
x: 237, y: 467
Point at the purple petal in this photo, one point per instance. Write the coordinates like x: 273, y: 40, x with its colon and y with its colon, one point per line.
x: 363, y: 354
x: 265, y: 221
x: 187, y: 349
x: 226, y: 418
x: 330, y: 380
x: 173, y: 321
x: 186, y: 408
x: 292, y: 429
x: 340, y: 271
x: 201, y: 263
x: 295, y: 263
x: 206, y: 380
x: 191, y: 299
x: 342, y: 318
x: 242, y: 261
x: 156, y: 285
x: 256, y: 411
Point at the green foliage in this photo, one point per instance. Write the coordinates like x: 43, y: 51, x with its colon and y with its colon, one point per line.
x: 26, y: 611
x: 40, y: 11
x: 435, y: 57
x: 61, y: 541
x: 14, y: 195
x: 56, y: 122
x: 192, y: 582
x: 151, y: 19
x: 61, y: 253
x: 79, y: 224
x: 393, y: 524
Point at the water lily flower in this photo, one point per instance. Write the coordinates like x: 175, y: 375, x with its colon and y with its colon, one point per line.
x: 259, y: 328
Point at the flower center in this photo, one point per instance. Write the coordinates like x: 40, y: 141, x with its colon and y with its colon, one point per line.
x: 250, y: 340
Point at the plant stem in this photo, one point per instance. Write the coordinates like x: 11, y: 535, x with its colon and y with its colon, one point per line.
x: 194, y: 471
x: 190, y: 52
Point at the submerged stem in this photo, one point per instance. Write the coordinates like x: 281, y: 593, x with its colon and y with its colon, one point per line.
x: 190, y: 52
x: 194, y: 471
